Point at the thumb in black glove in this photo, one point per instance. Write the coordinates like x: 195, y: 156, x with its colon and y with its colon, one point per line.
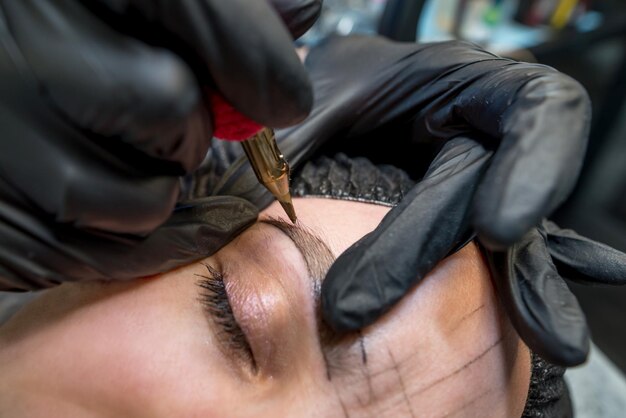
x: 529, y: 279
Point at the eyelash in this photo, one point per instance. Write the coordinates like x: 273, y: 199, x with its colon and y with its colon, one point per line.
x: 214, y: 299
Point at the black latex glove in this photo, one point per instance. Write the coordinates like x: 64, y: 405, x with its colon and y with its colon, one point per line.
x: 103, y: 106
x: 430, y: 221
x: 387, y: 97
x: 529, y: 279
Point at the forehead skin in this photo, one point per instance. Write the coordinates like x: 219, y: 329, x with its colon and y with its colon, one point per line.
x: 145, y: 349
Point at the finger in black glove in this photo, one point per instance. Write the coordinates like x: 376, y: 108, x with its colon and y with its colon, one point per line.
x: 529, y: 279
x: 393, y: 257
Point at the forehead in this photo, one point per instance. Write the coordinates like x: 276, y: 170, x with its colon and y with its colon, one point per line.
x: 339, y: 223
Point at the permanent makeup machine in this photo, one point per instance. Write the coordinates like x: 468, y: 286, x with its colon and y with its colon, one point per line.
x: 259, y: 144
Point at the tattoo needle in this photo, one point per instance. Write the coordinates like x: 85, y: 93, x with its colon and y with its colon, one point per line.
x: 259, y: 144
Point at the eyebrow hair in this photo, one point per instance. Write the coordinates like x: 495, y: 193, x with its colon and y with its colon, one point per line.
x: 316, y: 253
x: 318, y: 258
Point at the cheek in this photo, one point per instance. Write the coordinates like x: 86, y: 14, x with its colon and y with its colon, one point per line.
x: 137, y: 352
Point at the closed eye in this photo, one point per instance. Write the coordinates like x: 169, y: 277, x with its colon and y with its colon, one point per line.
x: 214, y: 299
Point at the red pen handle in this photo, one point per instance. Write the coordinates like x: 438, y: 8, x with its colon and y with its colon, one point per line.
x: 231, y: 125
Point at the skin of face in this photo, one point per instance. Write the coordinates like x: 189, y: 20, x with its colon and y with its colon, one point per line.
x: 148, y: 348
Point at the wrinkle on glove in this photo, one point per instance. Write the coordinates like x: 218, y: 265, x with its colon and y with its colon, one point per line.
x: 583, y: 260
x: 51, y: 253
x: 394, y: 252
x: 529, y: 279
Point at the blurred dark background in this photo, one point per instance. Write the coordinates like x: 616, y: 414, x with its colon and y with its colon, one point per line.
x: 585, y: 39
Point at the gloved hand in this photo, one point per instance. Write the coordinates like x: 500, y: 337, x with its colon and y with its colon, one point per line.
x: 395, y: 98
x: 104, y: 104
x: 528, y: 275
x: 529, y: 279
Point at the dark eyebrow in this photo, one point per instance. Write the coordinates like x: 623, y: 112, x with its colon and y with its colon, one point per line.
x: 318, y: 258
x: 316, y: 253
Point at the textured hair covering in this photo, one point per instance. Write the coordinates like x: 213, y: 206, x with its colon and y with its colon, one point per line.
x: 355, y: 179
x: 548, y: 396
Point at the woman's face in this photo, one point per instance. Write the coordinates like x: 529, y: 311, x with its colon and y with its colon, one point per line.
x: 238, y: 335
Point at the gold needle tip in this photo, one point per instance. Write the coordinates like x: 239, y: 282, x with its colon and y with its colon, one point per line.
x: 289, y: 209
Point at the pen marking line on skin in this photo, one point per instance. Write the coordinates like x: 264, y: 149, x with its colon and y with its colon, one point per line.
x: 410, y: 356
x: 466, y: 316
x: 362, y: 347
x: 365, y: 368
x: 462, y: 368
x: 401, y: 381
x: 416, y: 352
